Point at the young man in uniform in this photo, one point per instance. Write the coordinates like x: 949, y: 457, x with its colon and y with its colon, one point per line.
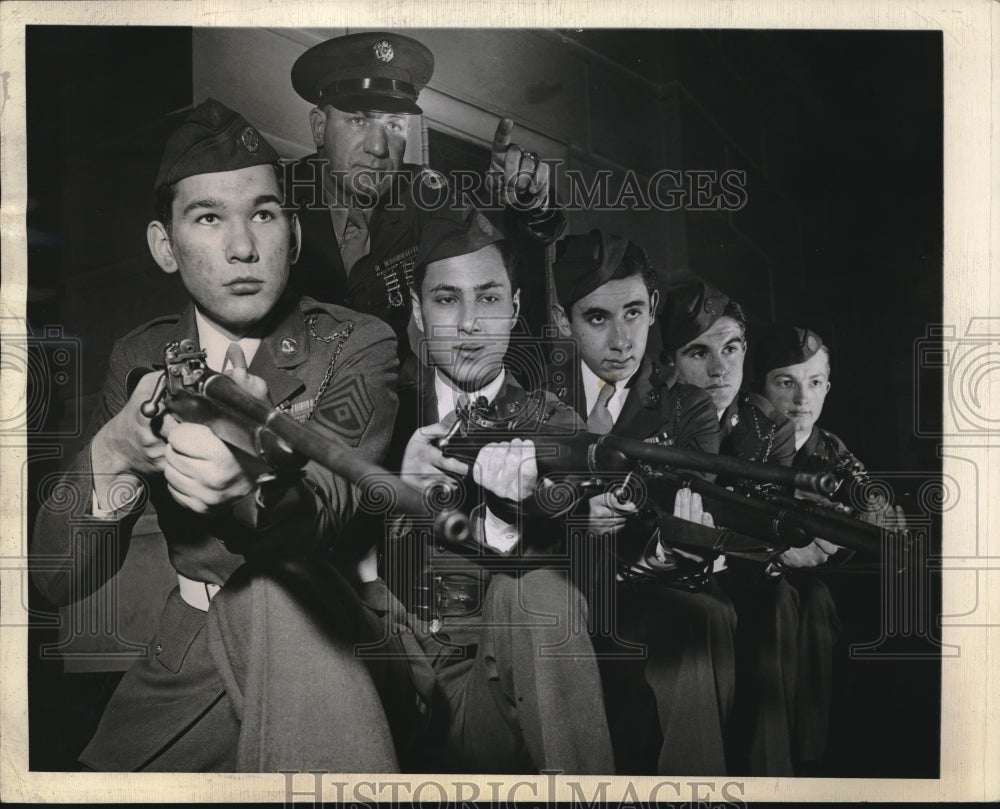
x: 793, y: 373
x: 362, y: 209
x: 704, y: 339
x: 516, y: 676
x: 253, y: 668
x: 607, y: 300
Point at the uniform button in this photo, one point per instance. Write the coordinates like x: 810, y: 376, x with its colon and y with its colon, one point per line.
x: 440, y: 548
x: 288, y: 345
x: 158, y: 649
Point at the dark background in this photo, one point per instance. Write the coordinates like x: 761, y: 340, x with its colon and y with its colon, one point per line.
x: 841, y: 136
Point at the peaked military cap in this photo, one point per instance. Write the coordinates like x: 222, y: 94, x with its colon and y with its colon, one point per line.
x: 690, y: 309
x: 584, y: 263
x: 783, y: 346
x: 212, y: 138
x: 448, y: 234
x: 377, y: 72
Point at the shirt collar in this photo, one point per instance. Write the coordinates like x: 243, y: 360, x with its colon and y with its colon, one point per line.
x: 592, y: 385
x: 447, y: 395
x: 215, y: 344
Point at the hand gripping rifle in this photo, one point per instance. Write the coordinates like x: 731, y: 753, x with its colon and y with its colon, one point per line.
x: 271, y: 443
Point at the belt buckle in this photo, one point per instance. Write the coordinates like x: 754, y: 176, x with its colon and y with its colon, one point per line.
x: 457, y: 596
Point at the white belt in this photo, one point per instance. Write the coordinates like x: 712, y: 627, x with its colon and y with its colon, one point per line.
x: 198, y: 594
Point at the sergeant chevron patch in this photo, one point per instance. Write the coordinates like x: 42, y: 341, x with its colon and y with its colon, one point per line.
x: 346, y: 409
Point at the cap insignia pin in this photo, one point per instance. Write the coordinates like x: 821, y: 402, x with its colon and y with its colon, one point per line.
x: 249, y: 139
x: 383, y: 50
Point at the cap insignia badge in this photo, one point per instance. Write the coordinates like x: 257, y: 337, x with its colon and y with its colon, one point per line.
x: 383, y: 50
x: 249, y: 139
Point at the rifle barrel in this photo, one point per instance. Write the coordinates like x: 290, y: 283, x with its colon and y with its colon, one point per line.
x: 660, y: 455
x: 329, y: 453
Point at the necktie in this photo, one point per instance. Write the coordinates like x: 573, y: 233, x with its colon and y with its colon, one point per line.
x: 599, y: 421
x: 357, y: 240
x: 235, y: 358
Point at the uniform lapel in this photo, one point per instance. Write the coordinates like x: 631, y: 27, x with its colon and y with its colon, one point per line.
x: 282, y: 350
x: 640, y: 416
x: 320, y: 268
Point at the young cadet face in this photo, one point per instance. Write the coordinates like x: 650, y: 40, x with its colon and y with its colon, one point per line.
x: 359, y: 145
x: 231, y: 244
x: 466, y: 311
x: 611, y: 326
x: 799, y: 391
x: 713, y: 361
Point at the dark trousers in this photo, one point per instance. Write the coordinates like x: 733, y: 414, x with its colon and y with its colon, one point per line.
x: 668, y: 710
x: 819, y: 630
x: 519, y: 685
x: 266, y: 680
x: 761, y: 726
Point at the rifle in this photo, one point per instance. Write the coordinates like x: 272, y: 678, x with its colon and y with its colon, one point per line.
x: 272, y: 444
x: 760, y: 524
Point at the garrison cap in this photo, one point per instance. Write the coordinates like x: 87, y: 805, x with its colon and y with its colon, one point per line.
x: 584, y: 263
x: 783, y: 346
x: 377, y: 72
x: 690, y: 309
x: 212, y: 138
x: 448, y: 234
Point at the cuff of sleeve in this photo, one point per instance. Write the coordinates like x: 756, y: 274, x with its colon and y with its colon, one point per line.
x: 114, y: 513
x: 491, y: 530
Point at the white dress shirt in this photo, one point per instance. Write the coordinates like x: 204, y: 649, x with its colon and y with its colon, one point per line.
x: 447, y: 394
x: 592, y: 385
x: 215, y: 344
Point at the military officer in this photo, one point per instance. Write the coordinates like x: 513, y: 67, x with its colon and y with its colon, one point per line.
x: 704, y: 339
x: 252, y: 668
x: 518, y: 684
x: 607, y: 300
x: 362, y: 209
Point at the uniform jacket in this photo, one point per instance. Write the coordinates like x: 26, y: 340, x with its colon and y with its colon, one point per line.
x: 675, y: 414
x: 825, y: 452
x: 656, y: 409
x: 753, y: 430
x: 378, y: 283
x: 348, y: 359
